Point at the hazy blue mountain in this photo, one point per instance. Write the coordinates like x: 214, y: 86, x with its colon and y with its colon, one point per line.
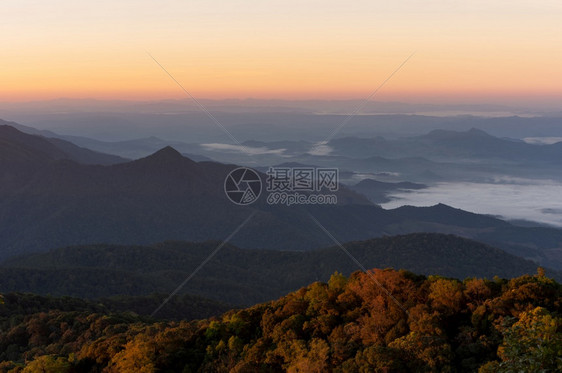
x: 56, y: 202
x: 31, y: 130
x: 377, y: 191
x: 136, y: 148
x: 440, y: 155
x: 269, y: 121
x: 446, y: 145
x: 129, y: 149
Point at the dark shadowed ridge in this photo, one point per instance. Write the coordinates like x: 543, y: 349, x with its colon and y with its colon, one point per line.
x: 444, y: 214
x: 446, y: 135
x: 166, y: 158
x: 166, y: 154
x: 18, y: 146
x: 243, y: 276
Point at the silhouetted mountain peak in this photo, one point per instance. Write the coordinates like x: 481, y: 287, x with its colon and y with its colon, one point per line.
x: 168, y: 159
x: 166, y: 154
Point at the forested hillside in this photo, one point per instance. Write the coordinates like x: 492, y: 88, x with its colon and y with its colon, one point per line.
x: 183, y: 307
x: 381, y: 321
x: 244, y: 277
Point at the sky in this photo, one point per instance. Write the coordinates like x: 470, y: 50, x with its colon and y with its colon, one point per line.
x: 465, y: 51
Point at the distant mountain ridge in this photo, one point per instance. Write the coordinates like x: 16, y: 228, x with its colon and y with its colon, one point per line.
x: 446, y: 144
x: 436, y: 155
x: 377, y: 191
x: 167, y: 196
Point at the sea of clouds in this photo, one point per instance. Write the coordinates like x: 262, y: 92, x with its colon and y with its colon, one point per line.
x: 533, y: 200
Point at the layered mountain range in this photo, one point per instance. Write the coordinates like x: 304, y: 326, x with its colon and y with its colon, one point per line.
x: 50, y: 197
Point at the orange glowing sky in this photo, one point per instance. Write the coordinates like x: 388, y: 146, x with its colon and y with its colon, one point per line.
x: 280, y: 49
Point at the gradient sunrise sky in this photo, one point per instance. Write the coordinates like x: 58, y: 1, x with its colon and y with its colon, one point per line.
x: 281, y: 49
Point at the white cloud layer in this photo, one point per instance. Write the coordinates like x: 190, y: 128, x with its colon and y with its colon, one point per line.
x: 537, y: 200
x: 229, y: 148
x: 542, y: 140
x: 320, y: 149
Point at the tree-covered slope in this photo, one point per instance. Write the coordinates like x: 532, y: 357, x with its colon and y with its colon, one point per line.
x: 381, y: 321
x: 242, y: 276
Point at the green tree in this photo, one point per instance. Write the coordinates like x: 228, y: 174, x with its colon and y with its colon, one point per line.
x: 532, y: 344
x: 48, y: 364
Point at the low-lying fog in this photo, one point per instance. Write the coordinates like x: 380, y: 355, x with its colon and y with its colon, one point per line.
x: 533, y: 200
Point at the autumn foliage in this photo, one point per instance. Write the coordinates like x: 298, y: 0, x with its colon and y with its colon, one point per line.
x: 383, y: 321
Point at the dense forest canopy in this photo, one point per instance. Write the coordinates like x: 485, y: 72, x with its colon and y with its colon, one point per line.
x: 243, y: 277
x: 349, y: 324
